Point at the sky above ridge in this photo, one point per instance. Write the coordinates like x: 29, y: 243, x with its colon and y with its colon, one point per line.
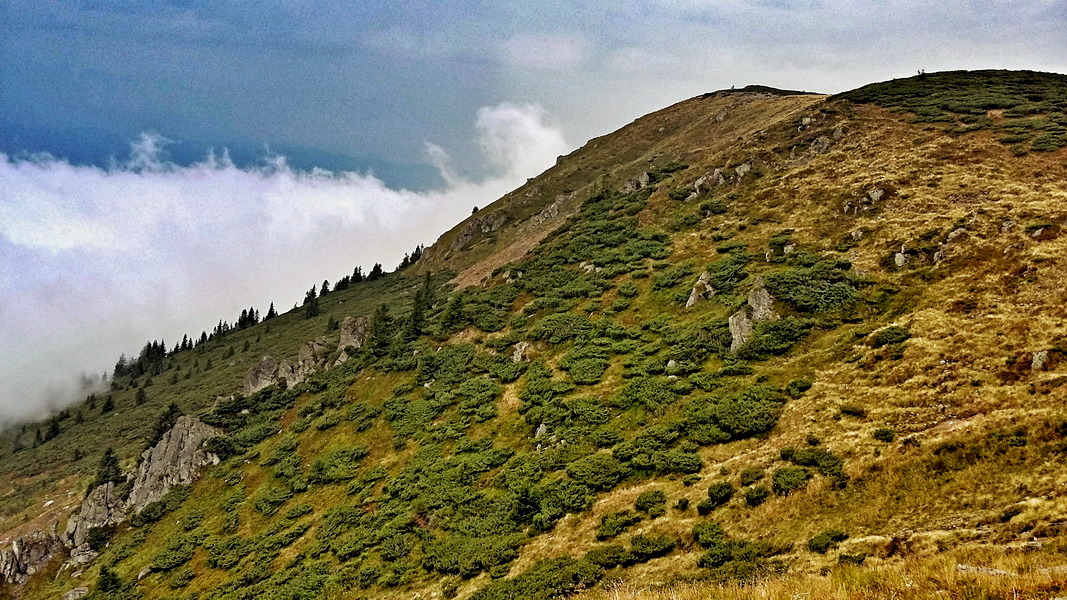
x: 157, y: 157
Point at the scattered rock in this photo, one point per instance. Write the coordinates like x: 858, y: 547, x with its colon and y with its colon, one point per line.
x: 76, y: 594
x: 900, y: 259
x: 866, y: 202
x: 1037, y: 232
x: 587, y: 267
x: 479, y: 223
x: 955, y: 233
x: 672, y: 364
x: 542, y: 429
x: 839, y: 133
x: 29, y: 554
x: 742, y: 169
x: 145, y: 572
x: 820, y: 145
x: 1040, y: 361
x: 982, y: 570
x: 702, y: 290
x: 789, y: 248
x: 262, y: 375
x: 856, y: 235
x: 551, y: 210
x: 175, y: 460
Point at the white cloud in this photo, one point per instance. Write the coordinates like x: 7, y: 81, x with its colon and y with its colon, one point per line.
x: 94, y: 262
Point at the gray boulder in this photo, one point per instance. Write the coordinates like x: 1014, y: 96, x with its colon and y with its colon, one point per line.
x: 702, y: 290
x: 519, y: 353
x: 354, y: 332
x: 758, y: 308
x: 28, y: 555
x: 262, y: 375
x: 102, y: 507
x: 76, y: 594
x: 176, y: 460
x: 1039, y: 362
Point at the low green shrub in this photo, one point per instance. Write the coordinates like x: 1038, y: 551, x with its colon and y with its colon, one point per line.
x: 616, y: 523
x: 787, y: 480
x: 894, y: 334
x: 756, y: 495
x: 647, y: 546
x: 653, y: 503
x: 822, y: 542
x: 884, y: 434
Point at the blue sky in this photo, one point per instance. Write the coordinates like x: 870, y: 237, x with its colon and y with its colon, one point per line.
x: 182, y: 135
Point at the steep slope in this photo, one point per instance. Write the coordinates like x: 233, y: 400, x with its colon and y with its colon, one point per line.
x: 807, y: 341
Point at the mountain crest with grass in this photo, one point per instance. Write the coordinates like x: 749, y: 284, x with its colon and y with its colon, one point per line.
x: 760, y: 343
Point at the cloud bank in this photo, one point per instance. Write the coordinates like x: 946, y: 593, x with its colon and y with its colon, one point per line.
x: 95, y: 261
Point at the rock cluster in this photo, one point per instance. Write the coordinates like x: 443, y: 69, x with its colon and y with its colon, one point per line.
x: 175, y: 460
x: 28, y: 554
x: 479, y: 223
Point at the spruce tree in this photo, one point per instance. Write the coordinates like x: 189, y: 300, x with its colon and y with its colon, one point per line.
x: 108, y: 470
x: 271, y: 313
x: 109, y: 405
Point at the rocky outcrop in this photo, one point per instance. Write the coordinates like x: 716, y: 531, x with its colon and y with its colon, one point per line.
x: 311, y: 358
x: 101, y: 508
x: 550, y: 211
x: 176, y: 460
x: 353, y: 332
x: 28, y: 555
x: 479, y: 223
x: 759, y: 308
x: 262, y: 375
x: 702, y: 290
x: 519, y: 353
x: 636, y: 183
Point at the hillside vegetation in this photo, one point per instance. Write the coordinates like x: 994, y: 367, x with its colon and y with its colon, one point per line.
x: 756, y: 345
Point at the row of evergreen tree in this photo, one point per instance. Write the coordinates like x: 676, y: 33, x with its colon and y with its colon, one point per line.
x: 151, y: 359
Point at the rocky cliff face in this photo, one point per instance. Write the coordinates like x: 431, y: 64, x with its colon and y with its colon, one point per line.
x: 28, y: 555
x: 176, y: 460
x: 262, y: 375
x: 102, y: 507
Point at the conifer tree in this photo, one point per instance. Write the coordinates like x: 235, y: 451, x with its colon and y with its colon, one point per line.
x: 271, y: 313
x: 109, y: 405
x: 108, y: 470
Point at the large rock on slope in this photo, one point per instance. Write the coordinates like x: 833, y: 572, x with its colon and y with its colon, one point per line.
x: 760, y: 307
x: 176, y: 460
x: 702, y: 290
x: 353, y: 332
x: 29, y: 554
x: 102, y: 507
x: 262, y: 375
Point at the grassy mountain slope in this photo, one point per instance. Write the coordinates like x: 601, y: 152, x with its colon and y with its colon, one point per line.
x: 558, y: 420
